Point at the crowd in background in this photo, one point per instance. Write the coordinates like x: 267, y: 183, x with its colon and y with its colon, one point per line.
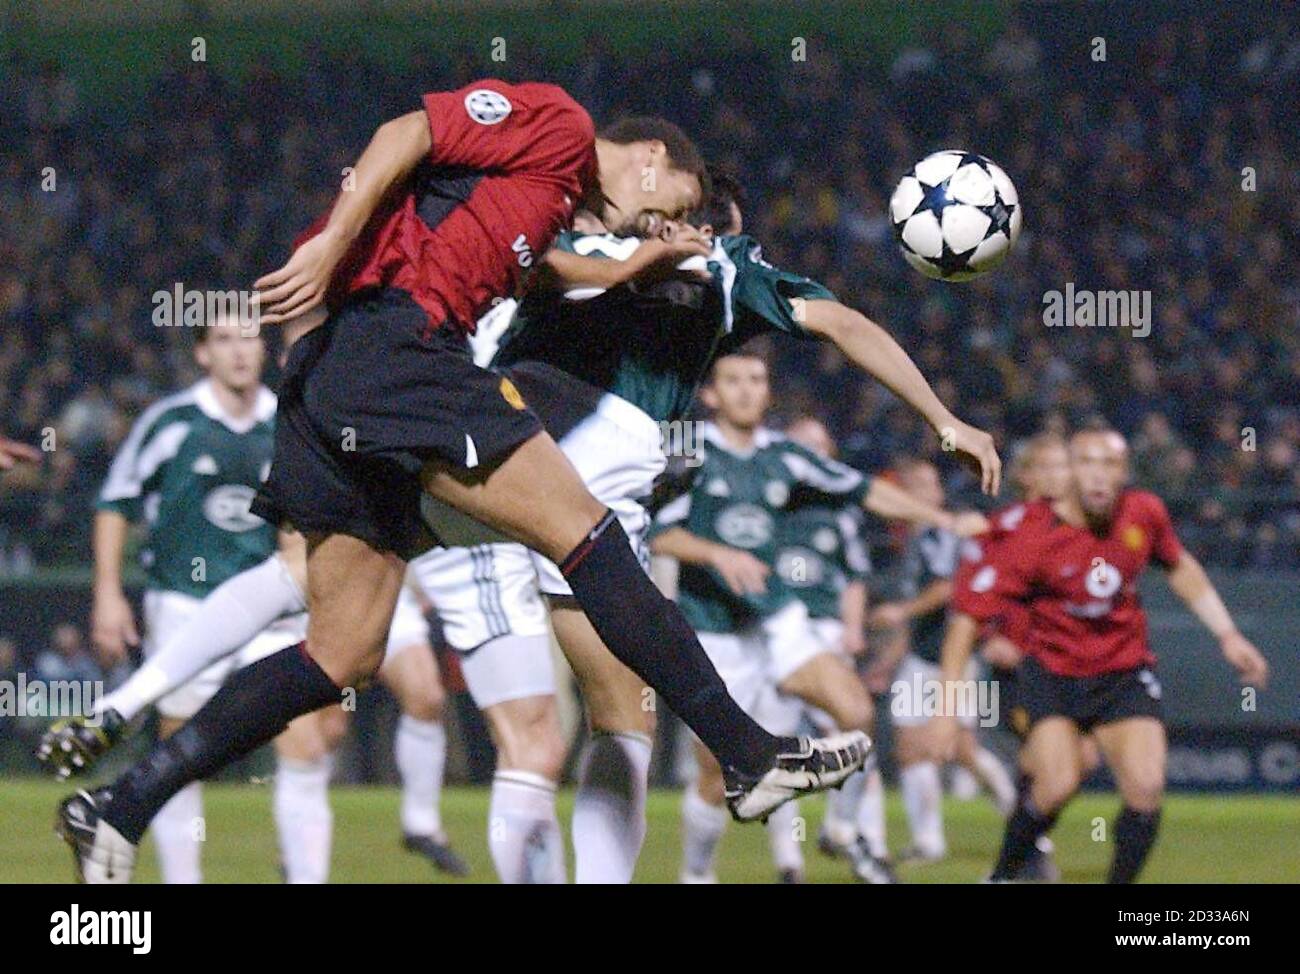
x: 1172, y: 167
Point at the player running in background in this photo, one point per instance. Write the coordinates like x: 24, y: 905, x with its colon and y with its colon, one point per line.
x: 822, y: 558
x: 188, y: 470
x: 1075, y: 564
x: 721, y: 527
x: 929, y: 561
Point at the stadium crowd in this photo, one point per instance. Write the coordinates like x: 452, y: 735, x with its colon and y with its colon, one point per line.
x: 1135, y: 175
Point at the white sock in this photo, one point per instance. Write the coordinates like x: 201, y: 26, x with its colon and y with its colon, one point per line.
x: 609, y: 810
x: 178, y: 831
x: 702, y: 828
x: 420, y: 747
x: 963, y: 785
x: 523, y: 833
x: 785, y: 831
x: 923, y: 801
x: 840, y: 822
x: 304, y: 820
x: 995, y: 778
x: 235, y: 612
x: 871, y: 812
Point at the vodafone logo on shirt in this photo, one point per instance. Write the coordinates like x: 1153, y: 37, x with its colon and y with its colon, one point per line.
x: 487, y: 107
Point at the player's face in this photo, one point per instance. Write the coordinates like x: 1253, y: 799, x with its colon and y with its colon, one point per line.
x: 922, y: 482
x: 232, y: 355
x: 1099, y: 466
x: 739, y: 391
x: 813, y: 435
x: 1049, y: 473
x: 645, y: 191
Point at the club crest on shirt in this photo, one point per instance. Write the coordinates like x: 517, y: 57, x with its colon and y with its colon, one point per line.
x: 1133, y: 537
x: 487, y: 107
x: 511, y: 394
x: 744, y: 526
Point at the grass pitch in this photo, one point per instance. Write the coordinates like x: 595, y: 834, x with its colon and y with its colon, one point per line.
x: 1204, y: 839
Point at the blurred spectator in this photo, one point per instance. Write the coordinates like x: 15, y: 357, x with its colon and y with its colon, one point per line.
x: 67, y: 658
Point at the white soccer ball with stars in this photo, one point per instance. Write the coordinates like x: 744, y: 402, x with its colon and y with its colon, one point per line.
x: 956, y: 215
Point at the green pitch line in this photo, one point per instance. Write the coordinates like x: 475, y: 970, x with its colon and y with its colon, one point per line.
x: 1205, y: 839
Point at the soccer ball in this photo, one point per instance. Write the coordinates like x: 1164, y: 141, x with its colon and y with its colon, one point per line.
x: 956, y: 215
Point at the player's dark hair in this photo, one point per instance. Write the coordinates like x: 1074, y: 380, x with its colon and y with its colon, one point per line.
x: 755, y: 349
x: 724, y: 190
x: 682, y: 151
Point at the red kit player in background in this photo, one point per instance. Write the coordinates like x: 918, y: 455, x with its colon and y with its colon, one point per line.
x: 1074, y: 565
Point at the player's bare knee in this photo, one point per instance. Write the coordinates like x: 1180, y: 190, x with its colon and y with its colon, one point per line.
x: 1052, y: 789
x: 1143, y: 789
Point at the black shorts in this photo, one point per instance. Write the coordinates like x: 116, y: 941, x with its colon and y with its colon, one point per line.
x: 1087, y: 700
x: 1010, y: 699
x: 368, y: 399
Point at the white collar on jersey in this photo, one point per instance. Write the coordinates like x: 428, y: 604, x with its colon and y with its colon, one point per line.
x: 763, y: 438
x: 206, y: 399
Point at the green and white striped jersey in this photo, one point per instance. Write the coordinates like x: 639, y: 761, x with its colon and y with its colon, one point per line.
x: 820, y: 552
x: 190, y: 471
x: 740, y: 499
x: 652, y: 345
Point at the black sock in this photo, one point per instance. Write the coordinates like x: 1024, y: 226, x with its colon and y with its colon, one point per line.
x: 1025, y: 826
x: 254, y: 706
x: 1135, y: 834
x: 648, y: 634
x: 1022, y: 791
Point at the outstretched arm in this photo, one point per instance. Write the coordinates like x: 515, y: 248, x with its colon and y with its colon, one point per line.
x: 300, y: 285
x: 892, y: 502
x: 870, y: 348
x: 1190, y: 583
x: 656, y: 258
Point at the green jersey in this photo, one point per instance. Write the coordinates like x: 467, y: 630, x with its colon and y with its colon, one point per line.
x: 820, y: 553
x: 739, y: 499
x: 189, y: 471
x: 931, y: 556
x: 653, y: 344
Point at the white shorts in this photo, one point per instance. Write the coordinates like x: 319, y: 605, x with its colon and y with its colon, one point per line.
x: 482, y: 593
x: 409, y: 626
x: 753, y: 663
x: 488, y: 590
x: 915, y: 683
x: 510, y: 667
x: 166, y: 612
x: 829, y: 633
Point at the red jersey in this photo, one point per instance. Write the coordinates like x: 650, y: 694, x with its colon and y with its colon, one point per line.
x: 1084, y: 614
x: 509, y: 164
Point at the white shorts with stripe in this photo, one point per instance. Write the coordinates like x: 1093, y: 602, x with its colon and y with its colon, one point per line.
x: 485, y: 588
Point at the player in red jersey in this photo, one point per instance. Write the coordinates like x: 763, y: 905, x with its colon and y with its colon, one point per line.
x: 1075, y: 563
x: 446, y: 210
